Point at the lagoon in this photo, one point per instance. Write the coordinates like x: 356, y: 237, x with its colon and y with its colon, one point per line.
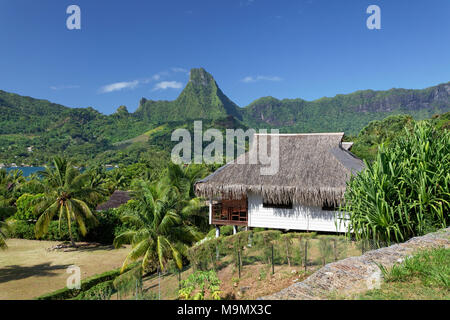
x: 27, y: 171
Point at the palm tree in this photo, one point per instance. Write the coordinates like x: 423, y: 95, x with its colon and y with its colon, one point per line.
x: 3, y: 233
x: 117, y: 180
x: 161, y: 231
x: 11, y: 183
x: 183, y: 178
x: 67, y: 194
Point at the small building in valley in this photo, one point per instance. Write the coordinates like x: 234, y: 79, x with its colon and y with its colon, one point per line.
x: 303, y: 194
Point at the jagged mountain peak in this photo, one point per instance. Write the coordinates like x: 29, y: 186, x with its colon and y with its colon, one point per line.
x: 199, y: 76
x: 200, y: 99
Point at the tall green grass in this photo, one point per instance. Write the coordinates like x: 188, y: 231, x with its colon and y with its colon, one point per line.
x: 405, y: 192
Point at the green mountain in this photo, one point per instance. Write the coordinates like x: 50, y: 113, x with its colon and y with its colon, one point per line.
x: 200, y: 99
x: 32, y: 130
x: 348, y: 113
x: 387, y: 130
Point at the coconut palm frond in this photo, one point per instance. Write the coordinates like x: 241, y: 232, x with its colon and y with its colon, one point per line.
x: 124, y: 238
x: 45, y: 219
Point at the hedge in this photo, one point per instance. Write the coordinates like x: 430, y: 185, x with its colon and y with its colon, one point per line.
x: 26, y: 230
x: 86, y: 285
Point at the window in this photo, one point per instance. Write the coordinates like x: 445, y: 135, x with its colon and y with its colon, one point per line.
x: 277, y: 205
x: 328, y: 207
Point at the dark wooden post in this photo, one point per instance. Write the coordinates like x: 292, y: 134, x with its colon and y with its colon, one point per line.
x: 306, y: 255
x: 239, y: 262
x: 273, y: 263
x: 335, y: 250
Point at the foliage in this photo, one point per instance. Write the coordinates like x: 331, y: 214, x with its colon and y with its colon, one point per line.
x: 224, y: 231
x: 129, y: 282
x: 200, y: 285
x: 68, y: 193
x: 425, y: 275
x: 380, y: 132
x: 66, y: 293
x: 325, y: 249
x: 432, y: 267
x: 21, y: 229
x: 405, y: 192
x: 4, y: 230
x: 124, y: 138
x: 264, y: 240
x: 6, y: 212
x: 162, y: 227
x: 25, y: 208
x: 108, y: 227
x: 202, y: 256
x: 101, y: 291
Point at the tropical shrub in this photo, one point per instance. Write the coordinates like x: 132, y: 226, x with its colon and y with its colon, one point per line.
x: 26, y: 230
x: 6, y: 212
x: 68, y: 195
x: 200, y: 285
x: 405, y: 192
x: 25, y: 208
x: 161, y: 230
x: 224, y: 231
x: 87, y: 284
x: 204, y: 255
x: 108, y: 227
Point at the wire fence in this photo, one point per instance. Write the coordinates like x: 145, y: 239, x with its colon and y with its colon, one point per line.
x: 271, y: 251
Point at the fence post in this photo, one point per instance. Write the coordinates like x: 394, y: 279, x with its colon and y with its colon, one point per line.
x: 335, y: 250
x: 273, y: 263
x: 306, y: 255
x: 239, y: 262
x: 179, y: 279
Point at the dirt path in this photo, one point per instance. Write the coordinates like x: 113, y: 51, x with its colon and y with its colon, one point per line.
x: 28, y: 269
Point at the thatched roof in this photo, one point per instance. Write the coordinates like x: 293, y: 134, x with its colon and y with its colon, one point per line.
x: 347, y: 145
x: 313, y: 170
x: 116, y: 200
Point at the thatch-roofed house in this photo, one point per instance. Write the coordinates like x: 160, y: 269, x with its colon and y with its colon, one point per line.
x: 302, y: 195
x: 115, y: 200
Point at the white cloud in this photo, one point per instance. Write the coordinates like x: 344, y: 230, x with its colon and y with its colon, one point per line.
x: 250, y: 79
x: 167, y: 85
x: 119, y: 86
x: 156, y: 77
x: 62, y: 87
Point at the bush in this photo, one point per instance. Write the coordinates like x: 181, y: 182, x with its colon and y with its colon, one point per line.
x: 66, y: 293
x: 201, y: 285
x: 224, y: 231
x: 101, y: 291
x: 25, y: 208
x: 405, y: 192
x: 6, y: 212
x: 108, y: 227
x: 26, y: 230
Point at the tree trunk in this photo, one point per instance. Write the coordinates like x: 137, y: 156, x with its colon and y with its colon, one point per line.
x: 71, y: 240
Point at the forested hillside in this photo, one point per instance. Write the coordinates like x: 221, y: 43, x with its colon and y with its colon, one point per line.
x: 33, y: 131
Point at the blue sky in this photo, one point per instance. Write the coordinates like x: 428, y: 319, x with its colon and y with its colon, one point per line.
x: 307, y: 49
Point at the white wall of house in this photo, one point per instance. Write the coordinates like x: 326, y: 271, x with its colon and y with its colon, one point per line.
x: 298, y: 218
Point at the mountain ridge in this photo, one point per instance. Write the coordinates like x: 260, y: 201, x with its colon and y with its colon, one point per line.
x: 53, y: 128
